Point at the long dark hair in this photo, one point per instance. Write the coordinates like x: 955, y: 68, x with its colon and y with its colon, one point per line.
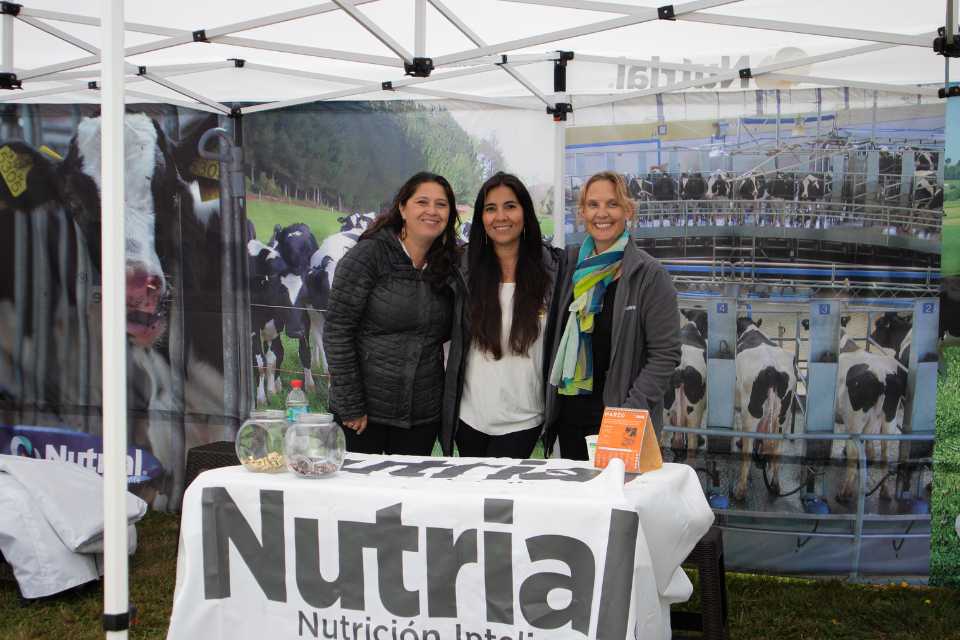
x: 443, y: 253
x: 485, y: 275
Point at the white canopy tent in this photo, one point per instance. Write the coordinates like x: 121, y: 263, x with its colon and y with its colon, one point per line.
x: 211, y: 55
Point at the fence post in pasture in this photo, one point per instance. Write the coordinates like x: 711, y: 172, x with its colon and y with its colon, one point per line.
x: 873, y: 176
x: 838, y: 168
x: 922, y: 376
x: 721, y: 368
x: 822, y: 365
x: 907, y: 167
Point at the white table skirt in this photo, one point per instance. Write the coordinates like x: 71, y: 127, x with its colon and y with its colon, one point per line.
x: 404, y: 548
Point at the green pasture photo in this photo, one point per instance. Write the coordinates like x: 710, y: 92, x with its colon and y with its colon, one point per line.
x: 945, y: 498
x: 950, y: 255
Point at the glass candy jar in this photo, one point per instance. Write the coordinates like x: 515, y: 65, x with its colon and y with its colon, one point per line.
x: 314, y: 445
x: 260, y: 441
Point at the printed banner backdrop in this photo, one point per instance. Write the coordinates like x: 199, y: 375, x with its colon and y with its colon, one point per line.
x: 466, y: 549
x: 945, y: 514
x: 335, y: 166
x: 326, y: 170
x: 803, y: 231
x: 50, y: 382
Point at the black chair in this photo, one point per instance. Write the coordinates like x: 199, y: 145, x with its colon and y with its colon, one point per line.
x: 209, y: 456
x: 711, y: 621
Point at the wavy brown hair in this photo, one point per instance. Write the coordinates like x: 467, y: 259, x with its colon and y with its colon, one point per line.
x: 443, y: 253
x: 485, y: 276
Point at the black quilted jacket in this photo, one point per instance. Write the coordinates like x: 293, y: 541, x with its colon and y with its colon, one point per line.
x: 385, y: 327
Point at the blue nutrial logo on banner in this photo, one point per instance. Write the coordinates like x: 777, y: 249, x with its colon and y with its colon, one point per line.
x: 77, y: 447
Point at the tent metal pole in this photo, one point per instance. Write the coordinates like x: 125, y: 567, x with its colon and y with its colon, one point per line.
x: 168, y: 71
x: 375, y: 31
x: 315, y: 52
x: 396, y: 84
x: 52, y: 91
x: 299, y: 73
x: 213, y: 104
x: 507, y: 103
x: 149, y: 97
x: 475, y: 38
x: 912, y: 90
x: 420, y: 28
x: 741, y: 21
x: 6, y: 53
x: 559, y: 156
x: 114, y: 343
x: 60, y: 34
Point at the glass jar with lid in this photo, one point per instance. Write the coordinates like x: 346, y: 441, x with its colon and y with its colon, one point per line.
x: 314, y: 445
x: 259, y: 441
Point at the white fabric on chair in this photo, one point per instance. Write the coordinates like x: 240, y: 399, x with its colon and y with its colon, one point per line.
x: 53, y: 523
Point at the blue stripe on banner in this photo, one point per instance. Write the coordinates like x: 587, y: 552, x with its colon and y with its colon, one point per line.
x: 861, y: 273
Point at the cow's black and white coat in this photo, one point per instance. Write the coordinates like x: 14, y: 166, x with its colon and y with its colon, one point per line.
x: 169, y: 276
x: 685, y: 401
x: 871, y: 387
x: 765, y: 395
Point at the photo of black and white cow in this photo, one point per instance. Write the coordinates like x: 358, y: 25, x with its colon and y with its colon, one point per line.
x: 51, y: 226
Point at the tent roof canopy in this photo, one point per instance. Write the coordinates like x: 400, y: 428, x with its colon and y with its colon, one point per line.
x: 499, y: 52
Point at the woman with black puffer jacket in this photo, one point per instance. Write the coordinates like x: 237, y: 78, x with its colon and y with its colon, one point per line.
x: 390, y: 311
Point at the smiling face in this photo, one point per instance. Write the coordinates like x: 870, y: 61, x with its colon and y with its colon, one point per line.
x: 604, y: 214
x: 426, y: 212
x: 502, y: 217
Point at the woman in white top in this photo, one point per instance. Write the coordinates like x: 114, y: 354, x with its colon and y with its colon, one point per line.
x: 496, y: 373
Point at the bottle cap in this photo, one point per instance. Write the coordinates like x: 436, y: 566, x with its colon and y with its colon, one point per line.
x: 296, y: 384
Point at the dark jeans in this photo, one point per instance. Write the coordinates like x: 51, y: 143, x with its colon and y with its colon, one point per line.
x: 382, y: 438
x: 476, y: 444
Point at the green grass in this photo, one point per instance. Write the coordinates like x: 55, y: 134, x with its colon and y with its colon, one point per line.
x: 265, y: 213
x: 950, y: 247
x: 761, y: 607
x: 945, y: 503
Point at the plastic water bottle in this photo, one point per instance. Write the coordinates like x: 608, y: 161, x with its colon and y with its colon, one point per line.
x: 296, y: 401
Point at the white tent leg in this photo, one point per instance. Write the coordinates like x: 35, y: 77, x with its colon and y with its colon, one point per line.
x: 559, y: 153
x: 6, y: 53
x: 116, y: 587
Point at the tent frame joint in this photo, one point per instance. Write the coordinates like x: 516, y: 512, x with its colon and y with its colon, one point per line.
x: 946, y: 47
x: 200, y: 35
x: 746, y: 73
x: 948, y: 92
x: 142, y: 70
x: 419, y: 67
x: 237, y: 62
x: 10, y: 8
x: 93, y: 85
x: 560, y: 71
x: 666, y: 12
x: 560, y: 110
x: 386, y: 85
x: 10, y: 81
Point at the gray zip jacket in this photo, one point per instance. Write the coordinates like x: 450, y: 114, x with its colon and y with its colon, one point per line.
x: 645, y: 346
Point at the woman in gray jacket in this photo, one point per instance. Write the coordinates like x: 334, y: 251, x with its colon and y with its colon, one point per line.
x: 618, y: 339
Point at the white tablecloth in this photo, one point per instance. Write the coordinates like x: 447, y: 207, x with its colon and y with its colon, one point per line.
x: 404, y: 548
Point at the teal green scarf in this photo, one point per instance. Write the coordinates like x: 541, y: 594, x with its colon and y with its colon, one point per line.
x: 572, y: 371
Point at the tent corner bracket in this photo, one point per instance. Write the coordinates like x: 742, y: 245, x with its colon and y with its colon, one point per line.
x: 419, y: 67
x: 666, y: 12
x: 200, y: 35
x: 559, y: 111
x: 10, y: 8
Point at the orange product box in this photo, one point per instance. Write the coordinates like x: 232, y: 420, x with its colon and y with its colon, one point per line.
x: 628, y: 434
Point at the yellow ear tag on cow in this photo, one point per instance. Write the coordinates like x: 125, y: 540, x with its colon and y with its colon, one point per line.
x: 47, y: 151
x: 14, y: 168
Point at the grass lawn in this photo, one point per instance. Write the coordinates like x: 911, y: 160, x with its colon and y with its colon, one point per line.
x: 761, y: 607
x: 945, y: 503
x: 265, y: 213
x: 950, y: 252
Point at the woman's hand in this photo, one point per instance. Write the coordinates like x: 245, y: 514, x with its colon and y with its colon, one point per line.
x: 357, y: 424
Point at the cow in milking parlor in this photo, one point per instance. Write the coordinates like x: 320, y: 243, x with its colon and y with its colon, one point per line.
x: 685, y: 401
x: 173, y: 288
x: 766, y: 388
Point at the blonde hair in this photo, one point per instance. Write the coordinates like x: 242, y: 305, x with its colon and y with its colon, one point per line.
x: 619, y: 189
